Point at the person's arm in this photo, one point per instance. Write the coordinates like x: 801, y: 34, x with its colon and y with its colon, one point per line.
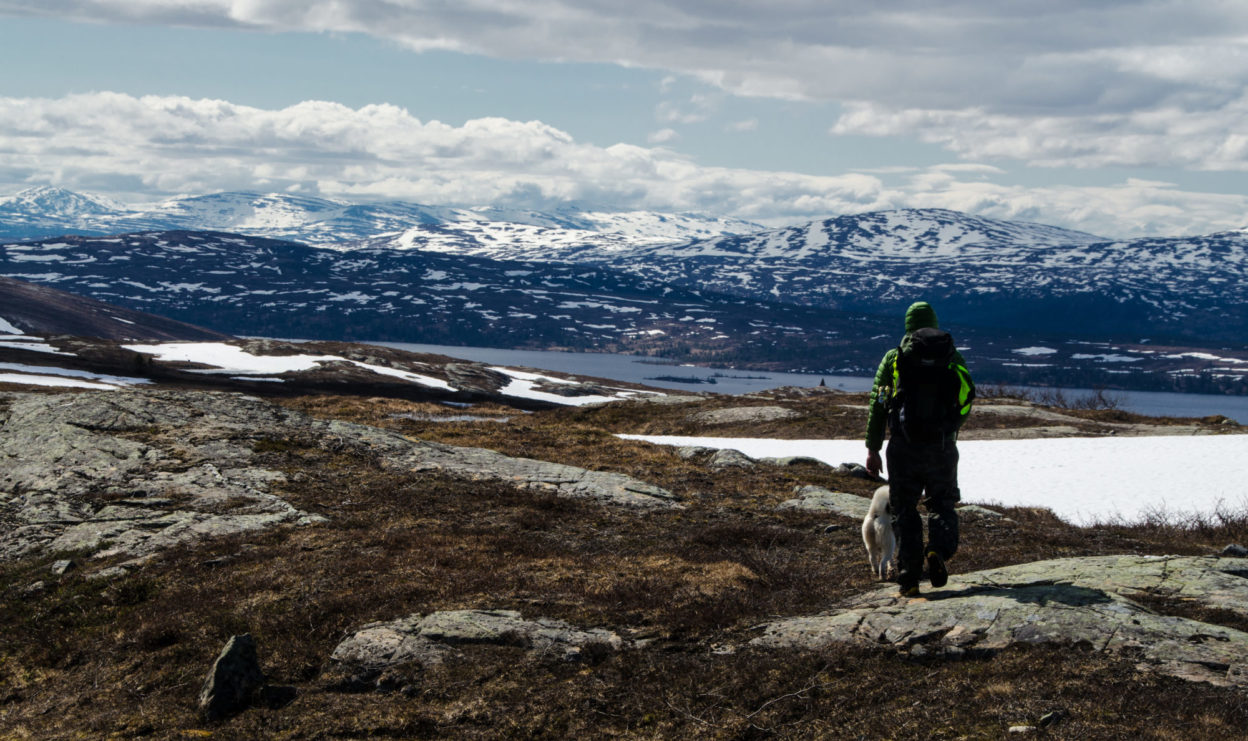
x: 877, y: 413
x: 966, y: 393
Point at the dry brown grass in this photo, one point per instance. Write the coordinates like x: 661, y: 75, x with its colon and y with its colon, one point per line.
x: 97, y: 660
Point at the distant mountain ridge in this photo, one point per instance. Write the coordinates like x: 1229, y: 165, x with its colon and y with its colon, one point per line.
x: 254, y: 286
x: 983, y: 272
x: 41, y: 212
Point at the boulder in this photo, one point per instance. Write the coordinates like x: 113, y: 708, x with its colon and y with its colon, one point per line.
x: 819, y: 499
x: 728, y: 458
x: 792, y: 460
x: 1080, y: 601
x: 233, y: 681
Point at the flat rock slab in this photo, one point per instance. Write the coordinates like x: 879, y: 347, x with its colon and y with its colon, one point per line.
x: 406, y: 454
x: 743, y: 415
x: 136, y: 472
x: 433, y: 638
x: 1085, y: 601
x: 73, y: 476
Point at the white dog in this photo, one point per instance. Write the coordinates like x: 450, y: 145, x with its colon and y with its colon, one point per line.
x: 877, y: 535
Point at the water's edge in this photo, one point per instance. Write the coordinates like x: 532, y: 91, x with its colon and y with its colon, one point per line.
x: 654, y: 372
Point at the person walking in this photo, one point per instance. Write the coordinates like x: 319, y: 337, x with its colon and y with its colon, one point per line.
x: 922, y: 394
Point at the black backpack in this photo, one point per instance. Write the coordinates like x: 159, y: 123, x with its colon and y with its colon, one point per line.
x: 925, y: 405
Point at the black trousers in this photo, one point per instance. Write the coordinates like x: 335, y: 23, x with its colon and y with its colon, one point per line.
x: 926, y: 472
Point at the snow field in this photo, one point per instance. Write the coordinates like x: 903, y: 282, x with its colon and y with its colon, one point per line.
x: 1083, y: 480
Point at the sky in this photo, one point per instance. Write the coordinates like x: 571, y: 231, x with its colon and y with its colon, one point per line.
x: 1120, y: 118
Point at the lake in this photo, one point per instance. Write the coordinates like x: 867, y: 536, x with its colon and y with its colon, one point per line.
x: 664, y: 374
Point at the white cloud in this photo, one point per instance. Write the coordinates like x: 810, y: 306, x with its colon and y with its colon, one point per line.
x: 116, y: 142
x: 119, y: 144
x: 1056, y: 82
x: 662, y: 136
x: 749, y: 124
x: 1169, y: 137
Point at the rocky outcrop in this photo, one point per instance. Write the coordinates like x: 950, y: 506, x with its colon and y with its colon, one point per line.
x: 743, y: 415
x: 437, y: 637
x: 397, y: 452
x: 819, y: 499
x: 1105, y: 603
x: 135, y: 472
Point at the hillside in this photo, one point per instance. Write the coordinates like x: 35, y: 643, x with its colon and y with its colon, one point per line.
x: 33, y: 309
x: 408, y: 568
x: 252, y: 286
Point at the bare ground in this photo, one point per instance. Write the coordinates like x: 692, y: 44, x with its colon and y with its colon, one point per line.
x: 125, y: 658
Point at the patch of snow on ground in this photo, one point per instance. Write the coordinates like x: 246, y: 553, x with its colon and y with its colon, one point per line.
x: 229, y: 358
x: 407, y: 376
x: 34, y: 344
x: 1083, y: 480
x: 70, y: 373
x: 522, y: 386
x: 232, y: 359
x: 8, y: 328
x: 1034, y: 351
x: 57, y: 381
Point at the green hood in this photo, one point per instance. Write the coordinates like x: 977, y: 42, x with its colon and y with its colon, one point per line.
x: 920, y: 315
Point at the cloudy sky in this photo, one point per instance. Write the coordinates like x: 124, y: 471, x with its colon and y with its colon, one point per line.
x: 1119, y: 117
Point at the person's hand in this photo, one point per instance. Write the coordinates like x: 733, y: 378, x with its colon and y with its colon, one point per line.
x: 874, y: 464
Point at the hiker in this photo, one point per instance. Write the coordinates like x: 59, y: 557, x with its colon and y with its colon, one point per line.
x: 922, y: 393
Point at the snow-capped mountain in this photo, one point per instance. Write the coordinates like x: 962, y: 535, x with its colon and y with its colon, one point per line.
x: 52, y: 205
x: 46, y: 212
x: 976, y: 271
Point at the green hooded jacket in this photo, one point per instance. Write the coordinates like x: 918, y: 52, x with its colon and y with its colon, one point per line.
x: 919, y: 315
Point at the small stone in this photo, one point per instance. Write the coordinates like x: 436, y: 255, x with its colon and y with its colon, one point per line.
x: 1049, y: 719
x: 60, y: 567
x: 1235, y: 550
x: 832, y: 528
x: 1022, y: 729
x: 233, y: 680
x: 34, y: 589
x: 113, y: 572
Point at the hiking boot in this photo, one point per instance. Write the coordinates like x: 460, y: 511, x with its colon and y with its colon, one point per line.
x: 908, y: 590
x: 937, y: 574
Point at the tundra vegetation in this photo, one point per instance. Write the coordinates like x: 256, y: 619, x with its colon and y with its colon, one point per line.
x: 684, y: 589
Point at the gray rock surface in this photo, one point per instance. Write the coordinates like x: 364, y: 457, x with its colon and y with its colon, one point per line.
x: 135, y: 472
x: 729, y: 458
x: 743, y: 415
x: 819, y: 499
x: 397, y: 452
x: 74, y: 475
x: 1084, y: 601
x: 434, y: 638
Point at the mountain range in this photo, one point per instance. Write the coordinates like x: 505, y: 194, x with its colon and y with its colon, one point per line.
x: 50, y: 212
x: 820, y: 297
